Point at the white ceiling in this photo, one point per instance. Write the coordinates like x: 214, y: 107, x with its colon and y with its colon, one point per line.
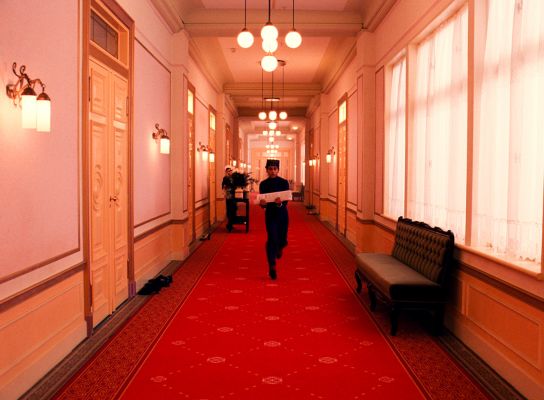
x: 329, y: 30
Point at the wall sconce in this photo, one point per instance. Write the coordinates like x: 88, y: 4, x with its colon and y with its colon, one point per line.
x: 234, y: 163
x: 330, y: 155
x: 36, y: 110
x: 313, y: 161
x: 204, y: 148
x: 162, y: 135
x: 212, y: 156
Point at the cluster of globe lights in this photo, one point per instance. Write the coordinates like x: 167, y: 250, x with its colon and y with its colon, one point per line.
x: 269, y: 34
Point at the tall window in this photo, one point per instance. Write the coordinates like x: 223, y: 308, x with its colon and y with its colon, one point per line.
x: 437, y: 155
x: 509, y: 132
x: 395, y: 139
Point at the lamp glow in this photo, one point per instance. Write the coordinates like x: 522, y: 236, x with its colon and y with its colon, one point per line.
x: 262, y: 115
x: 270, y: 46
x: 43, y: 113
x: 293, y: 39
x: 212, y: 156
x: 272, y: 115
x: 283, y: 115
x: 272, y: 125
x: 269, y: 32
x: 269, y: 63
x: 328, y: 158
x: 245, y: 39
x: 28, y: 106
x: 165, y: 145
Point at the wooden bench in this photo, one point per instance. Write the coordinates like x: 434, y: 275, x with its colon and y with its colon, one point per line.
x: 413, y: 276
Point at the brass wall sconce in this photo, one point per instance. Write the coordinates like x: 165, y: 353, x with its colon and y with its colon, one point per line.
x: 313, y: 161
x: 162, y: 135
x: 36, y: 109
x: 205, y: 150
x: 330, y: 154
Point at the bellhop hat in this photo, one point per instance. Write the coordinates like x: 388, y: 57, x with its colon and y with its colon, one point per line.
x: 272, y: 163
x: 227, y: 167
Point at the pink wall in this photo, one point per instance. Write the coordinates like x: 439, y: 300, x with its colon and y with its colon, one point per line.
x: 39, y: 172
x: 151, y: 106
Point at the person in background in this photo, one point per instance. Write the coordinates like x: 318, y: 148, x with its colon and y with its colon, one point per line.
x: 228, y: 189
x: 276, y: 216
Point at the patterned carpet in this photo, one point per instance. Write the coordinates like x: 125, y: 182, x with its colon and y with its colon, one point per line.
x: 224, y: 330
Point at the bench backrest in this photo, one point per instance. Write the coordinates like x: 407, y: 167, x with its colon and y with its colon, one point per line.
x: 427, y: 250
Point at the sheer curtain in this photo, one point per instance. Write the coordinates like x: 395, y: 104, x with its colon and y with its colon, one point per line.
x: 437, y: 159
x: 509, y: 135
x: 395, y: 138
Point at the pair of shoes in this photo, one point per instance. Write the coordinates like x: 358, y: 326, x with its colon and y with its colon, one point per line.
x: 272, y: 273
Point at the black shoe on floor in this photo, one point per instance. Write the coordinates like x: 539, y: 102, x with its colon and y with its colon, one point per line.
x: 272, y: 273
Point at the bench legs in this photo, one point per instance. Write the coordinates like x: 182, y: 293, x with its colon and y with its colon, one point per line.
x: 359, y: 282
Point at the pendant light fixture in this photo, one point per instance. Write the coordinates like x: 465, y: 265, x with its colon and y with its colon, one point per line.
x: 262, y: 114
x: 283, y: 113
x: 245, y: 38
x: 272, y: 114
x: 293, y: 38
x: 269, y: 34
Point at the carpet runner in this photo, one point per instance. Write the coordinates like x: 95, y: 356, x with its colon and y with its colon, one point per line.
x: 236, y: 334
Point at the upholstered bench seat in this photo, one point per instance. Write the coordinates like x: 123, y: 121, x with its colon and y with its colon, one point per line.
x: 395, y: 279
x: 413, y: 275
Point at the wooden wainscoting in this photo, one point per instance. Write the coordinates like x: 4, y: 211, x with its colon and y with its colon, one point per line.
x: 38, y: 331
x: 505, y: 331
x: 152, y: 252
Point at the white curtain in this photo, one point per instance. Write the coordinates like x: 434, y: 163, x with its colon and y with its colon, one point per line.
x: 509, y: 136
x: 437, y: 152
x: 395, y: 138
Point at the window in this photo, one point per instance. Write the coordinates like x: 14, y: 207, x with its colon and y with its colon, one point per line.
x: 437, y: 148
x: 509, y: 133
x: 395, y: 139
x: 104, y: 35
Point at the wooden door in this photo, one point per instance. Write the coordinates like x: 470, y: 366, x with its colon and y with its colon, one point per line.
x: 342, y: 168
x: 211, y: 143
x: 108, y: 132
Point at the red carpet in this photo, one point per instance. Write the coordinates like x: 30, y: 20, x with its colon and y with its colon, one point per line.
x: 239, y: 335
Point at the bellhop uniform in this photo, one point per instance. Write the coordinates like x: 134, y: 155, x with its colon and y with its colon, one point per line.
x: 276, y: 219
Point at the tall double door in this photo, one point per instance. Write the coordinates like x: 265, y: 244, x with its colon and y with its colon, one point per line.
x: 108, y: 163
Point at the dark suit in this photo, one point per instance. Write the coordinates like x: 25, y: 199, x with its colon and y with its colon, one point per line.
x: 276, y: 218
x: 228, y: 187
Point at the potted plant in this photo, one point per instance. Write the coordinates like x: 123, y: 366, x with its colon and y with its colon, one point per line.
x: 240, y: 181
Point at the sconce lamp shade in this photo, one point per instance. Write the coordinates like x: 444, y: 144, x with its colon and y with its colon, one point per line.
x: 269, y: 32
x: 28, y: 106
x: 165, y: 145
x: 328, y: 158
x: 204, y: 155
x: 262, y: 115
x: 212, y: 156
x: 269, y: 63
x: 293, y: 39
x: 272, y: 115
x: 270, y: 46
x: 283, y: 115
x: 43, y: 113
x: 245, y: 39
x: 234, y: 163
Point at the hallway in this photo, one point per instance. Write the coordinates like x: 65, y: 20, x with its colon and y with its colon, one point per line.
x: 237, y: 334
x: 119, y: 118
